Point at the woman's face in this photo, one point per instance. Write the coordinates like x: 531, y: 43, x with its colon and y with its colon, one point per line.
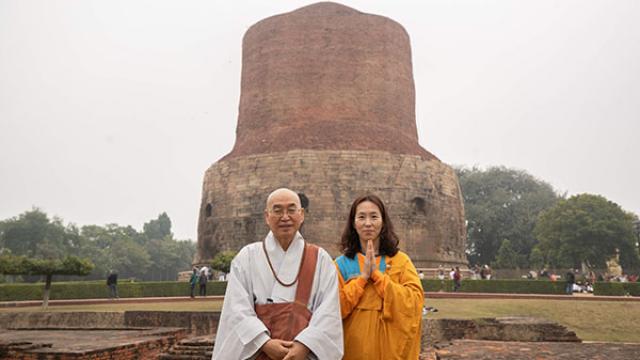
x: 368, y: 221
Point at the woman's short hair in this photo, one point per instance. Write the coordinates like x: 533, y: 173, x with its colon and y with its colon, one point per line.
x: 350, y: 241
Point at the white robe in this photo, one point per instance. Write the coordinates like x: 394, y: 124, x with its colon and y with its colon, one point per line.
x: 241, y: 334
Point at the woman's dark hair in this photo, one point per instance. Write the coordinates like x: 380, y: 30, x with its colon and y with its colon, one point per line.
x: 350, y: 241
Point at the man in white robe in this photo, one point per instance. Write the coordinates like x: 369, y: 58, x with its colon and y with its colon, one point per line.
x: 241, y: 334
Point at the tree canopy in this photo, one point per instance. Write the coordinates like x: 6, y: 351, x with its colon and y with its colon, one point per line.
x: 222, y: 261
x: 506, y: 257
x: 587, y: 228
x: 159, y: 228
x: 22, y: 265
x: 502, y: 204
x: 152, y: 254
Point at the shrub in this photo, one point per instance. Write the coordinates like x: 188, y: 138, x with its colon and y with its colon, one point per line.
x: 616, y: 289
x: 633, y: 289
x: 129, y: 289
x: 497, y: 286
x: 99, y: 290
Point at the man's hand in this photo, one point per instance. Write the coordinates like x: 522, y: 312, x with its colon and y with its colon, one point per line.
x: 276, y: 349
x: 298, y: 351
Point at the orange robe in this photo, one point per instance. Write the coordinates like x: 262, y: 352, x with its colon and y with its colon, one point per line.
x: 382, y: 317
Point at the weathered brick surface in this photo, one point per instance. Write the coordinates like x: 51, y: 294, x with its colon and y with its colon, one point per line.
x: 327, y: 108
x: 423, y: 198
x: 195, y: 322
x: 327, y: 77
x: 23, y: 320
x: 198, y: 348
x: 525, y: 329
x: 518, y: 338
x: 496, y: 350
x: 87, y: 344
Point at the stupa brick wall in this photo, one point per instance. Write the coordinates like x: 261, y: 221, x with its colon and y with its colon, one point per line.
x: 327, y: 109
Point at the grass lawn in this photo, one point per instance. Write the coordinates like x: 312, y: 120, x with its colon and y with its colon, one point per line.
x: 591, y: 320
x: 115, y: 306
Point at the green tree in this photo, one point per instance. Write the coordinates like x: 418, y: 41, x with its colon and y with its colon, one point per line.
x: 506, y: 257
x: 22, y: 265
x: 587, y: 228
x: 129, y: 259
x: 536, y: 258
x: 150, y: 255
x: 33, y: 234
x: 222, y: 261
x: 115, y: 247
x: 159, y: 228
x: 502, y: 203
x: 169, y: 257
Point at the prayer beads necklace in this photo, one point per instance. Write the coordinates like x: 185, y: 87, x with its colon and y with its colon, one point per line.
x: 304, y: 249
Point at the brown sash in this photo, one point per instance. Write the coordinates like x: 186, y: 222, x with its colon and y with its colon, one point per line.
x: 286, y: 320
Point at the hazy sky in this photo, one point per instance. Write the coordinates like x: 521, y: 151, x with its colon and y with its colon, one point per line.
x: 111, y: 111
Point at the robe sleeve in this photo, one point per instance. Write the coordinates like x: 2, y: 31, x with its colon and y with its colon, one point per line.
x: 323, y: 335
x: 240, y: 333
x: 405, y: 296
x: 350, y: 293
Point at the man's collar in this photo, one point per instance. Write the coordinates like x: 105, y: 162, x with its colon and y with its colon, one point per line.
x: 273, y: 243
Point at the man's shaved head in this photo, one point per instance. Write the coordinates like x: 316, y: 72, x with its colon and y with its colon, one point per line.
x: 284, y: 215
x: 283, y: 192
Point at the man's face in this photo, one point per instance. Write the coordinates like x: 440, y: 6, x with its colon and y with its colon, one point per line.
x: 283, y: 215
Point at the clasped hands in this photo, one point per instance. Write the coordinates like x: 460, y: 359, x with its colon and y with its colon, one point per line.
x: 277, y: 349
x: 369, y: 261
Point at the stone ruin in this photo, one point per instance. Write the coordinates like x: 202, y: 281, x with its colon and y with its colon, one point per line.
x: 189, y: 335
x: 327, y: 108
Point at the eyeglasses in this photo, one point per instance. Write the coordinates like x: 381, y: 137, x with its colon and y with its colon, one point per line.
x: 279, y: 212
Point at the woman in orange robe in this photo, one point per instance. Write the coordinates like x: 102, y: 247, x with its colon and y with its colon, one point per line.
x: 381, y: 295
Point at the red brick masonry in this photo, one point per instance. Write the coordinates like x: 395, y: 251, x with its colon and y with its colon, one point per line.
x: 497, y: 350
x: 85, y: 344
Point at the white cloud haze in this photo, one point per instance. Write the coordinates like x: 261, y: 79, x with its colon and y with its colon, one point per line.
x: 111, y: 111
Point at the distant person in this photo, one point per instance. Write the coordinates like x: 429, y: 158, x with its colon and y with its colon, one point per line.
x: 205, y: 271
x: 589, y: 287
x: 440, y: 272
x: 193, y: 281
x: 421, y: 275
x: 487, y: 272
x: 571, y: 279
x: 112, y: 283
x: 457, y: 277
x: 544, y: 273
x: 202, y: 280
x: 475, y: 272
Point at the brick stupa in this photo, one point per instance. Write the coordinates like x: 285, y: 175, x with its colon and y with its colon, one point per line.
x: 327, y: 108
